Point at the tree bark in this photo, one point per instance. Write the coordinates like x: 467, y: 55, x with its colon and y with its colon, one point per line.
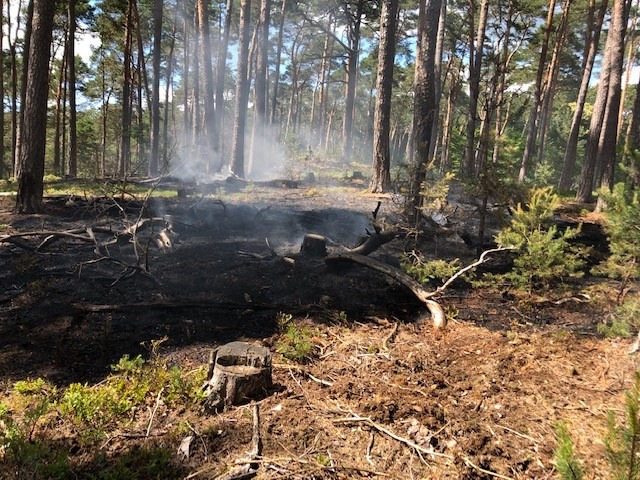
x: 381, y: 175
x: 276, y: 81
x: 534, y: 115
x: 72, y: 171
x: 354, y: 21
x: 158, y: 6
x: 468, y: 169
x: 609, y: 140
x: 600, y: 110
x: 424, y: 103
x: 242, y: 91
x: 125, y: 137
x: 213, y: 163
x: 258, y: 133
x: 221, y: 76
x: 33, y: 136
x: 591, y: 49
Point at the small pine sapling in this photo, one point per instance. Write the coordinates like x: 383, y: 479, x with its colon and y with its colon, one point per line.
x: 622, y: 442
x: 567, y: 464
x: 545, y: 256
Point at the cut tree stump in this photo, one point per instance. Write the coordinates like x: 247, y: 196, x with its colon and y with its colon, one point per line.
x: 238, y: 372
x: 314, y: 245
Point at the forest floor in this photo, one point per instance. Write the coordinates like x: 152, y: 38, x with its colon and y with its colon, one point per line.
x: 383, y: 395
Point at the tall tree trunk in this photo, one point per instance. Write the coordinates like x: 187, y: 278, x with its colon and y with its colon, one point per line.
x: 424, y: 104
x: 25, y: 66
x: 59, y: 116
x: 609, y: 141
x: 3, y: 168
x: 551, y: 80
x: 242, y: 91
x: 186, y: 129
x: 33, y: 136
x: 591, y: 49
x: 169, y: 106
x: 213, y: 163
x: 437, y: 72
x: 125, y: 138
x: 595, y: 142
x: 353, y: 52
x: 476, y: 43
x: 276, y: 80
x: 381, y: 175
x: 158, y: 6
x: 221, y: 76
x: 454, y: 89
x: 71, y: 89
x: 14, y: 89
x: 258, y: 134
x: 325, y: 69
x: 534, y: 115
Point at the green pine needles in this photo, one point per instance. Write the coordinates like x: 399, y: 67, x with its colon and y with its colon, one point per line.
x: 567, y: 464
x: 545, y: 256
x: 622, y: 442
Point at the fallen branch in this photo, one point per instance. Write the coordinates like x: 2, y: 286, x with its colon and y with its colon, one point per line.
x: 437, y: 313
x: 248, y: 466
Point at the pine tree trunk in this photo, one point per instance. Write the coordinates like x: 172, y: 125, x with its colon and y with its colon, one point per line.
x: 158, y: 6
x: 213, y: 163
x: 381, y: 176
x: 125, y: 138
x: 534, y: 115
x: 33, y: 136
x: 71, y: 89
x: 353, y: 52
x: 242, y: 91
x: 424, y: 104
x: 609, y: 140
x: 220, y: 79
x: 593, y: 40
x: 551, y: 81
x: 276, y: 80
x: 3, y: 168
x: 258, y: 134
x: 476, y: 43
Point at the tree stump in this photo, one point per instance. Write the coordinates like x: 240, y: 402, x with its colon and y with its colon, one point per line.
x: 238, y: 371
x: 314, y: 245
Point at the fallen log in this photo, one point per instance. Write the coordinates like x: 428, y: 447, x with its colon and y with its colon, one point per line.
x: 437, y: 313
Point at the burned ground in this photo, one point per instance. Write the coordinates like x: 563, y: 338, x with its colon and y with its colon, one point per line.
x: 479, y: 399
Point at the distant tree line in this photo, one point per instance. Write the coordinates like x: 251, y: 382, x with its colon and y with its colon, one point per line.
x: 497, y: 92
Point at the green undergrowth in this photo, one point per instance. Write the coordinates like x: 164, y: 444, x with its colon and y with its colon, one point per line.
x: 39, y: 421
x: 621, y: 443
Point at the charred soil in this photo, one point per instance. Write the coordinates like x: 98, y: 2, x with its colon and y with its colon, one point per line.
x: 382, y: 395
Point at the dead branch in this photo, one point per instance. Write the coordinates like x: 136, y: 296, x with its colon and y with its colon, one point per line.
x: 248, y: 466
x: 355, y: 418
x: 374, y: 241
x: 437, y: 313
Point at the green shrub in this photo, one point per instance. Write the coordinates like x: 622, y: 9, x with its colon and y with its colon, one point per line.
x: 426, y: 271
x: 567, y: 465
x: 545, y: 257
x: 622, y: 442
x: 622, y: 225
x: 295, y: 340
